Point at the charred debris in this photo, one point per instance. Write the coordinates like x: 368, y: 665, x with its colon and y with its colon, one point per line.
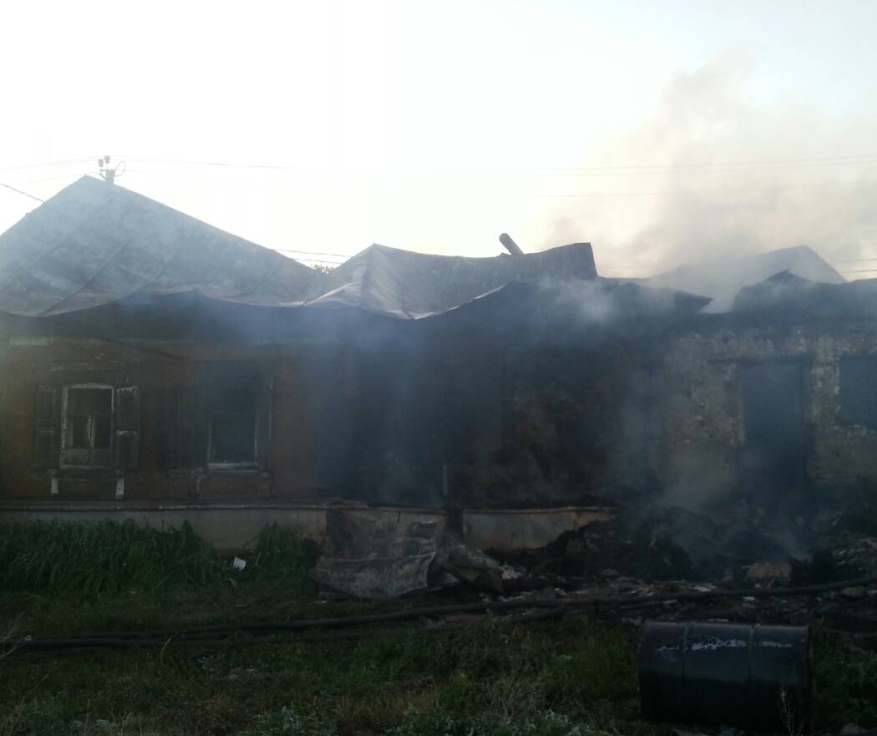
x: 582, y: 429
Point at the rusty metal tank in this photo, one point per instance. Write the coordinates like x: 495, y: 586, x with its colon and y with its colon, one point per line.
x: 752, y: 677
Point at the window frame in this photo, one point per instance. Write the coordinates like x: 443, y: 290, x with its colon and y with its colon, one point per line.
x: 70, y: 457
x: 213, y: 412
x: 849, y: 407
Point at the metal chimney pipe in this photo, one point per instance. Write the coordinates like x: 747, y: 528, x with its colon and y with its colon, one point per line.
x: 510, y: 245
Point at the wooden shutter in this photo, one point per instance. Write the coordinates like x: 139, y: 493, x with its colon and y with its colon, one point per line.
x: 193, y: 425
x: 181, y: 428
x: 127, y: 427
x: 47, y: 427
x: 164, y: 428
x: 263, y: 421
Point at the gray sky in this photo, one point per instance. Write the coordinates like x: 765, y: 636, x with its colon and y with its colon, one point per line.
x: 658, y: 130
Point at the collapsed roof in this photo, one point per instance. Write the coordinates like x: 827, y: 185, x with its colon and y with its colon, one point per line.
x: 722, y: 280
x: 95, y: 243
x: 786, y: 296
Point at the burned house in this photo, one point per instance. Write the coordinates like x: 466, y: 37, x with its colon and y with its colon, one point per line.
x: 773, y: 398
x: 160, y: 369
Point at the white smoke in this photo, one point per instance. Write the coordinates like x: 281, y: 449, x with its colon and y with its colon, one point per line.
x: 737, y: 178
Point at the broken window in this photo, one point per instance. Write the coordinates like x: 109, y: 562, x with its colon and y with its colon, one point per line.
x: 858, y: 390
x: 181, y: 425
x: 222, y: 422
x: 773, y: 458
x: 89, y: 418
x: 233, y: 420
x: 87, y: 425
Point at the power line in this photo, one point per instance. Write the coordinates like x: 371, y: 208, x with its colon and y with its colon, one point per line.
x: 52, y: 178
x: 322, y: 257
x: 602, y: 194
x: 611, y: 195
x: 739, y: 190
x: 311, y: 264
x: 833, y: 160
x: 48, y: 163
x: 317, y: 260
x: 20, y: 192
x: 626, y: 170
x: 715, y: 167
x: 221, y: 164
x: 313, y: 253
x: 585, y: 195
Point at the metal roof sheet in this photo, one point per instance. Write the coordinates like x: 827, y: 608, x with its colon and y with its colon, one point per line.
x: 94, y: 243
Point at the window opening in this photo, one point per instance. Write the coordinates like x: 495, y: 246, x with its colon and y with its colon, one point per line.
x: 858, y: 390
x: 88, y: 425
x: 233, y: 419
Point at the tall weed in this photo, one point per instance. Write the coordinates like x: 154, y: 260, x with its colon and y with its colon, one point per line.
x: 101, y: 557
x: 281, y: 553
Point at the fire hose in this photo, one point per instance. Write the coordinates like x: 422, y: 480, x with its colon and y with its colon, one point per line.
x: 161, y: 638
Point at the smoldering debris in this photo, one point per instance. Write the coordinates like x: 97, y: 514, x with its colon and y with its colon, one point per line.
x: 669, y: 543
x: 630, y: 546
x: 662, y: 564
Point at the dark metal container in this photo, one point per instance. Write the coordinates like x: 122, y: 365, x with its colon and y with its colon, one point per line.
x: 751, y: 677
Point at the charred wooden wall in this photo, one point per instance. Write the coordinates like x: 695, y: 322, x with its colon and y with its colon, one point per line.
x: 172, y: 465
x: 501, y: 404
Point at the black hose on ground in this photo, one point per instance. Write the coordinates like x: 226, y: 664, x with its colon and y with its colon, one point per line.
x: 214, y: 633
x: 82, y: 643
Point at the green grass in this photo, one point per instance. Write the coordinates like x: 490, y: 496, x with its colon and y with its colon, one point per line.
x: 570, y: 677
x: 845, y: 683
x: 567, y: 678
x: 101, y: 557
x: 400, y: 682
x: 537, y: 724
x: 285, y: 558
x: 114, y: 557
x: 288, y: 722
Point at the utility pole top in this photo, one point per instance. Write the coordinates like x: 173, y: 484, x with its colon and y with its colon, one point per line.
x: 109, y: 174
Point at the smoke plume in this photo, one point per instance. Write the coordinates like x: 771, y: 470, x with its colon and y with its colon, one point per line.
x: 729, y: 177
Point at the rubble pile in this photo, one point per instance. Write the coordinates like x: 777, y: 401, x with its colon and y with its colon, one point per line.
x: 661, y: 558
x: 655, y: 563
x: 372, y: 558
x: 663, y: 543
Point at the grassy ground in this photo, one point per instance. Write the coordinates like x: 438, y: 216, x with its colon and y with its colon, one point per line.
x: 575, y: 676
x: 404, y: 679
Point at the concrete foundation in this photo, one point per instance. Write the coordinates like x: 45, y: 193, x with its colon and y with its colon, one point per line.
x: 525, y: 529
x: 236, y: 526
